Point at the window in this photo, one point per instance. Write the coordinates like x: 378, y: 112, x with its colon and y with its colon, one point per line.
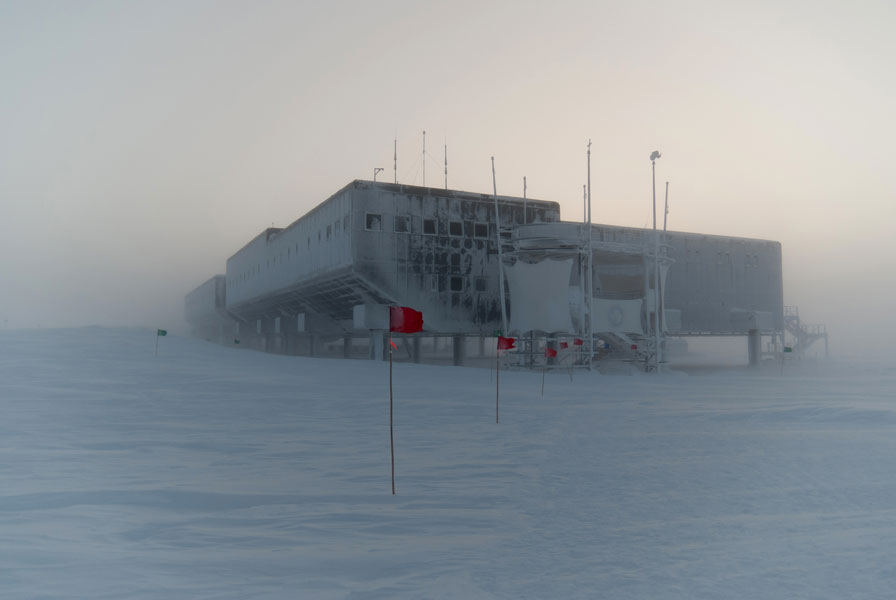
x: 455, y: 228
x: 345, y: 223
x: 374, y: 222
x: 455, y: 260
x: 481, y: 284
x: 429, y: 227
x: 402, y: 224
x: 329, y: 231
x: 457, y: 284
x: 480, y: 230
x: 468, y: 229
x: 336, y: 225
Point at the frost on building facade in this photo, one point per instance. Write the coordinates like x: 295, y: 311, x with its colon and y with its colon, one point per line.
x: 318, y: 284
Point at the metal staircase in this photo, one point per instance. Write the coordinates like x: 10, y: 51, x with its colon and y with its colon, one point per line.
x: 802, y: 335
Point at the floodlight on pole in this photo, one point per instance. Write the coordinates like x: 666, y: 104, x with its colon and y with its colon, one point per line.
x: 375, y: 171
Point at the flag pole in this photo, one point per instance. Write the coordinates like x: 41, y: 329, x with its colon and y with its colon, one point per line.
x: 497, y: 383
x: 391, y: 436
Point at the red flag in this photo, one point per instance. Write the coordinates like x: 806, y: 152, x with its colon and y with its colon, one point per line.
x: 405, y: 320
x: 393, y: 343
x: 505, y: 343
x: 578, y: 342
x: 634, y: 346
x: 564, y: 345
x: 550, y: 352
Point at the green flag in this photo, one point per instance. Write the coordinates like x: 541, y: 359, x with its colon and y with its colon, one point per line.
x: 161, y: 332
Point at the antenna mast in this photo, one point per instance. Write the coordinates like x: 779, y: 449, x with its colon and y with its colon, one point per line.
x: 666, y: 213
x: 395, y: 159
x: 446, y: 166
x: 424, y: 158
x: 590, y: 288
x: 584, y: 203
x: 525, y: 210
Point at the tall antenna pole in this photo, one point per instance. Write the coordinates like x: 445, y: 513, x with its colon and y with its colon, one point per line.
x: 656, y: 266
x: 666, y: 212
x: 584, y: 330
x: 395, y: 159
x: 590, y: 288
x: 525, y: 204
x: 500, y: 255
x: 446, y: 166
x: 424, y: 158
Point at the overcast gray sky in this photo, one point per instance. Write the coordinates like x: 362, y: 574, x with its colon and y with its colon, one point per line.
x: 142, y: 143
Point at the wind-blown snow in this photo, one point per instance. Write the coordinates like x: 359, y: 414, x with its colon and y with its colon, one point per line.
x: 210, y: 472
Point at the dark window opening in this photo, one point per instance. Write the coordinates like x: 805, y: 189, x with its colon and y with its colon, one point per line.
x: 455, y: 228
x: 429, y: 227
x: 402, y: 224
x: 374, y: 222
x: 457, y: 284
x: 480, y: 230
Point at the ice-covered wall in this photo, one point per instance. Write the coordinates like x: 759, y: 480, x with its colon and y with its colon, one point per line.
x: 435, y: 250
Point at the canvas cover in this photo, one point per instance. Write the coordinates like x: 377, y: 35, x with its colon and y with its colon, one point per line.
x: 539, y: 296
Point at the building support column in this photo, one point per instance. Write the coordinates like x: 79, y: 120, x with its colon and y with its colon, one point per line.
x: 289, y: 335
x: 245, y: 333
x: 754, y: 346
x: 416, y: 344
x: 377, y: 341
x: 459, y: 350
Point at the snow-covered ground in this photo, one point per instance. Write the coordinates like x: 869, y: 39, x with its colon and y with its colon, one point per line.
x: 210, y: 472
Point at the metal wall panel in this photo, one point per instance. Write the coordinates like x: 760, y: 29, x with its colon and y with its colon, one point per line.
x: 714, y: 279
